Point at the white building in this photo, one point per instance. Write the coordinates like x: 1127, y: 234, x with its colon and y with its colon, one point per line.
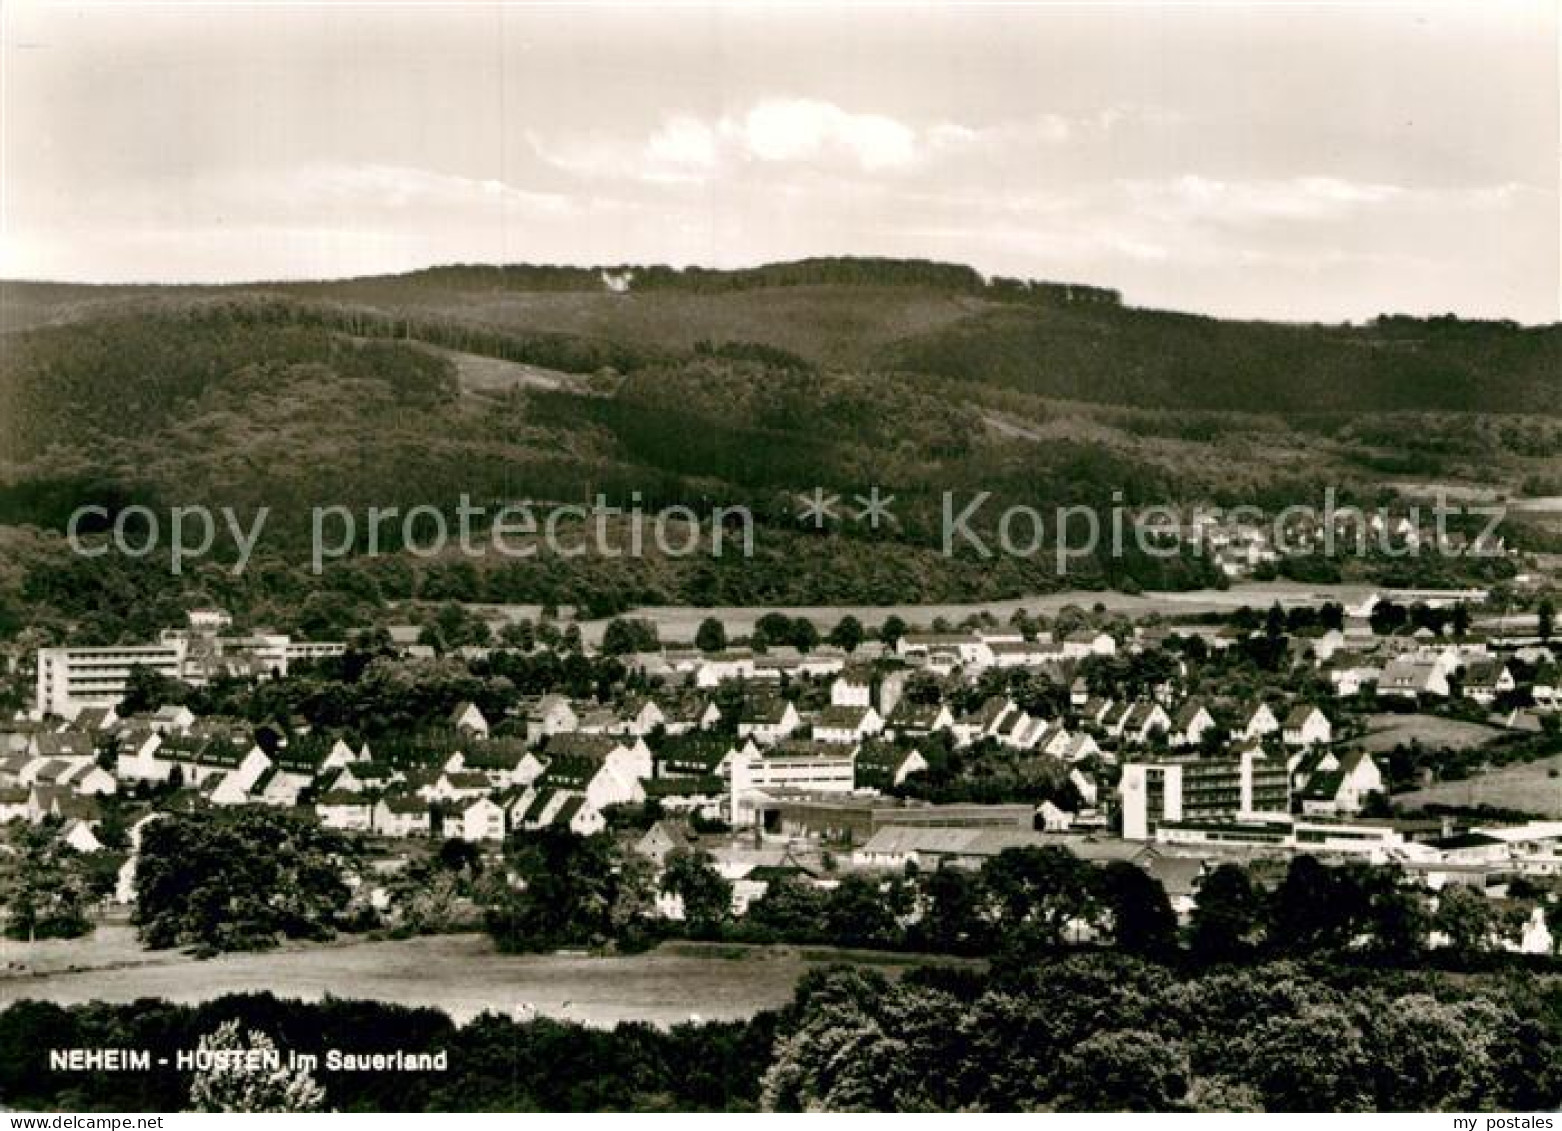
x: 809, y: 766
x: 72, y: 678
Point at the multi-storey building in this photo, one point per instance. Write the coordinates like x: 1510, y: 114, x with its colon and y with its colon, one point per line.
x: 70, y: 679
x: 1238, y: 786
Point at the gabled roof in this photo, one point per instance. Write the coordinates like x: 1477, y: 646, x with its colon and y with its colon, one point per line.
x: 841, y: 718
x: 92, y: 718
x: 574, y: 745
x: 338, y: 797
x: 65, y: 744
x: 689, y: 785
x: 763, y: 709
x: 1297, y: 717
x: 693, y: 753
x: 800, y: 749
x: 909, y: 714
x: 883, y: 757
x: 467, y: 779
x: 570, y: 771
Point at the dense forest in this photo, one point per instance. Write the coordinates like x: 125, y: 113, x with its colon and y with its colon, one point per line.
x: 1087, y: 1033
x: 704, y: 388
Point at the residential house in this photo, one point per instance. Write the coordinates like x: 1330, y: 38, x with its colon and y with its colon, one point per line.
x: 1485, y: 680
x: 688, y: 713
x: 548, y: 716
x: 882, y: 765
x: 506, y: 761
x: 918, y: 720
x: 544, y: 806
x: 1306, y: 725
x: 1413, y: 678
x: 1330, y: 784
x: 457, y: 785
x: 479, y: 820
x: 852, y: 688
x: 767, y: 718
x: 1053, y: 819
x: 402, y: 815
x: 1141, y: 721
x: 1257, y: 722
x: 467, y: 719
x: 984, y: 722
x: 237, y: 785
x: 14, y: 803
x: 697, y: 755
x: 846, y: 724
x: 640, y: 716
x: 345, y: 811
x: 138, y: 758
x: 661, y: 840
x: 1189, y: 726
x: 1088, y: 642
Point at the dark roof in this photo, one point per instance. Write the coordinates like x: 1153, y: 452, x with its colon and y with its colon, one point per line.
x: 570, y: 771
x: 705, y: 785
x: 1465, y: 840
x: 593, y: 746
x: 692, y: 753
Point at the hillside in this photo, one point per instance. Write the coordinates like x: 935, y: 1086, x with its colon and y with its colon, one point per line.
x: 710, y: 388
x: 1050, y: 340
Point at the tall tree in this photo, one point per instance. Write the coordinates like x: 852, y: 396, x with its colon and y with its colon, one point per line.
x: 706, y: 894
x: 711, y: 635
x: 250, y: 1076
x: 1228, y: 915
x: 1143, y: 921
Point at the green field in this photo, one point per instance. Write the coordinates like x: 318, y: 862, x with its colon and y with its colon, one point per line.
x: 460, y: 974
x: 1533, y: 787
x: 1384, y: 732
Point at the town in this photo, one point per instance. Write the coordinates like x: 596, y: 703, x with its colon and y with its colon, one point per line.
x: 870, y: 753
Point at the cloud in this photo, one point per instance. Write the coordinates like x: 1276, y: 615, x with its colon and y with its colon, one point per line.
x: 1310, y: 199
x: 779, y: 132
x: 1195, y: 197
x: 805, y: 129
x: 400, y: 187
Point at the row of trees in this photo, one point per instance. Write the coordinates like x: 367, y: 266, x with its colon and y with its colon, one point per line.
x: 1110, y: 1033
x: 1086, y: 1033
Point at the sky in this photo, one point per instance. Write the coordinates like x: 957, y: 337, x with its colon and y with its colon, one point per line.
x: 1316, y: 162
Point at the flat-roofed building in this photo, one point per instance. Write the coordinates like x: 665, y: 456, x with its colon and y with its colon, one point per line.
x: 70, y: 679
x: 1192, y: 789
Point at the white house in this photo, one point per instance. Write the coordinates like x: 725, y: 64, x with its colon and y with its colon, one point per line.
x: 469, y: 720
x: 1339, y: 785
x: 1411, y: 678
x: 481, y: 820
x: 402, y: 816
x: 767, y: 719
x: 852, y: 688
x: 846, y: 724
x: 1257, y: 723
x: 348, y: 812
x: 1191, y: 723
x: 237, y: 784
x: 1307, y: 726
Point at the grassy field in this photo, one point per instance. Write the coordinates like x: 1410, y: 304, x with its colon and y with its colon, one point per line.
x: 460, y: 974
x: 1384, y: 732
x: 1532, y: 787
x: 677, y: 624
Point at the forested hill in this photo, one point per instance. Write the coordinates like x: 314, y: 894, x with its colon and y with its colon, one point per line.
x: 1054, y: 340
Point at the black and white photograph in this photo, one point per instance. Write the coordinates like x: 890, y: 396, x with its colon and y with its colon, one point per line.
x: 766, y: 557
